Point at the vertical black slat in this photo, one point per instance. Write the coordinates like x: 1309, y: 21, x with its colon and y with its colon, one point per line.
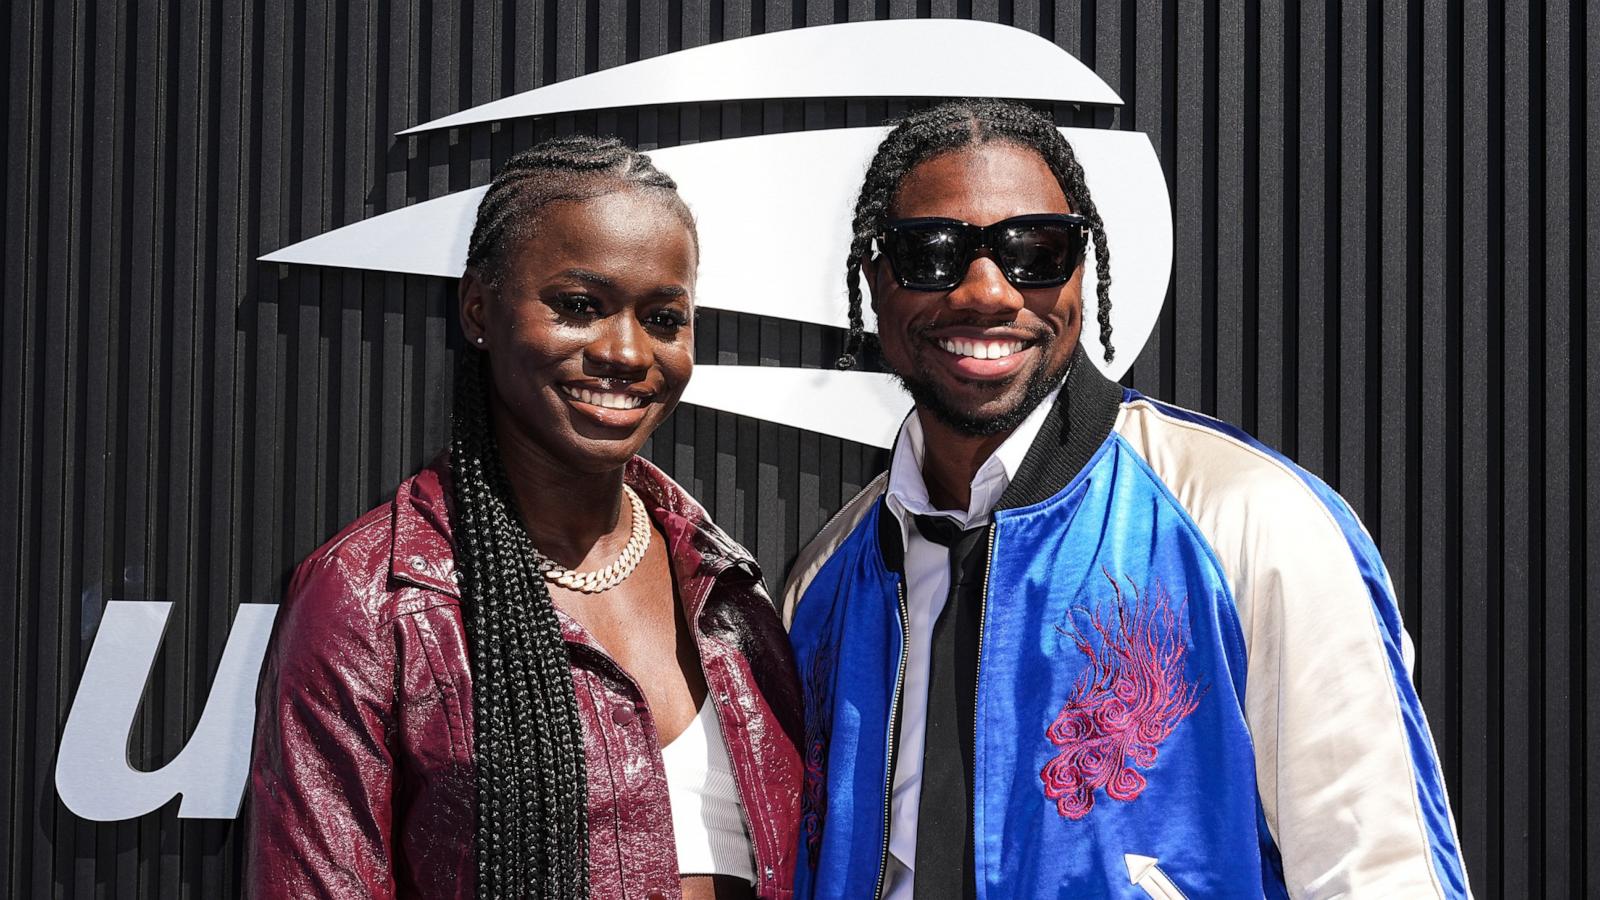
x: 1346, y: 254
x: 261, y: 464
x: 143, y: 118
x: 164, y: 571
x: 774, y: 504
x: 86, y: 536
x: 1232, y: 309
x: 1025, y: 14
x: 1551, y: 390
x: 16, y: 826
x: 228, y: 254
x: 1481, y: 801
x: 1509, y: 813
x: 33, y: 864
x: 616, y: 41
x: 1467, y: 672
x: 1518, y: 446
x: 133, y: 861
x: 480, y: 56
x: 305, y: 381
x: 26, y: 832
x: 747, y: 443
x: 1144, y: 98
x: 398, y: 111
x: 1288, y: 338
x: 440, y: 375
x: 1434, y: 517
x: 349, y: 488
x: 787, y: 540
x: 1391, y: 308
x: 1310, y: 190
x: 1265, y: 90
x: 1191, y: 294
x: 568, y: 27
x: 695, y: 25
x: 721, y: 478
x: 102, y: 488
x: 1068, y: 28
x: 56, y: 560
x: 180, y: 295
x: 1586, y: 74
x: 1109, y: 47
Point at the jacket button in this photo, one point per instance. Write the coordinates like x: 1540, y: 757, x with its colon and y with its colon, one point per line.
x: 418, y: 563
x: 623, y: 715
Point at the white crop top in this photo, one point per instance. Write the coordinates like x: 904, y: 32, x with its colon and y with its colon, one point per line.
x: 706, y: 820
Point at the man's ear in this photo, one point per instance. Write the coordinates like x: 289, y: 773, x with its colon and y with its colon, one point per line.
x: 873, y: 269
x: 472, y: 297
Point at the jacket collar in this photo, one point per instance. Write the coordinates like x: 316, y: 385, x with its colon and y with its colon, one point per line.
x: 1081, y: 419
x: 423, y: 547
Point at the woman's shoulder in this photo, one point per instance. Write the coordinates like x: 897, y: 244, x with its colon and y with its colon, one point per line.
x: 663, y: 494
x: 373, y: 568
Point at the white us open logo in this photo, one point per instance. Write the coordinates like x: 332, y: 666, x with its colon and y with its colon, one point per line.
x: 811, y: 177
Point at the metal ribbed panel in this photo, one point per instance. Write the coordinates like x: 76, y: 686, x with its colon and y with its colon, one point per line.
x: 1387, y: 237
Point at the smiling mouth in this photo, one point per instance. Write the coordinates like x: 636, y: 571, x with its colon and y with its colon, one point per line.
x: 606, y: 399
x: 981, y: 349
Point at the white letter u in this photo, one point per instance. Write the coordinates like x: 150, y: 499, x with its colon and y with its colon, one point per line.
x: 93, y: 775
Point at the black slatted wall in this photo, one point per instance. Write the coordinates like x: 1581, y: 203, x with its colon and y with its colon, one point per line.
x: 1386, y: 249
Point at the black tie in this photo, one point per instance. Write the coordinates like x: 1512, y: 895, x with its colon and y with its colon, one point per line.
x: 944, y: 865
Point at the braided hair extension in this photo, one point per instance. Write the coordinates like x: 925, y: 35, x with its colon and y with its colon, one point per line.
x: 949, y: 126
x: 532, y: 831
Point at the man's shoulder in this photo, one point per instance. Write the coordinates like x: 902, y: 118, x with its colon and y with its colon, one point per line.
x: 822, y: 547
x: 1243, y: 495
x: 1205, y: 461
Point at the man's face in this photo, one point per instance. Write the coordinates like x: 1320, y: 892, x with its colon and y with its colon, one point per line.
x: 982, y: 355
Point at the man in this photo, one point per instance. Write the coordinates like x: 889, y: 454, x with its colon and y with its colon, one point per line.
x: 1076, y: 642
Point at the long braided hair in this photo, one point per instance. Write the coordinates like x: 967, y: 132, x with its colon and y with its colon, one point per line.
x: 952, y: 125
x: 532, y: 832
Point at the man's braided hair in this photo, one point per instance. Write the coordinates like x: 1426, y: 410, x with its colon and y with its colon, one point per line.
x: 532, y: 830
x: 949, y: 126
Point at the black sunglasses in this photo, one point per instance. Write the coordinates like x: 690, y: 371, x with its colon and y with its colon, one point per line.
x: 1033, y: 251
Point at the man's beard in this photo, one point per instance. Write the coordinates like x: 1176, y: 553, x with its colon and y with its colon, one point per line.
x: 1043, y: 380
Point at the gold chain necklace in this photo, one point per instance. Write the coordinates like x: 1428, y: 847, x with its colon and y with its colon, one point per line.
x: 604, y: 579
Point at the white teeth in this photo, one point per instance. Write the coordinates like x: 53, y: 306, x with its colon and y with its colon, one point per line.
x: 605, y: 399
x: 981, y: 349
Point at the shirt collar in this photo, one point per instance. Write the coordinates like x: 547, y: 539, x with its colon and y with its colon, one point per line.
x: 907, y: 492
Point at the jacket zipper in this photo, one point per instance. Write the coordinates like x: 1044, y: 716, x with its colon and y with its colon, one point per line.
x: 977, y: 701
x: 894, y: 735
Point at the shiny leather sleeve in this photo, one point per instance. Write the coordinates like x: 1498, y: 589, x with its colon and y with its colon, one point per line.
x: 321, y: 779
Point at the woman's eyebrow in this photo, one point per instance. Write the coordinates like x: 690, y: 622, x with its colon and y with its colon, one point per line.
x: 588, y: 276
x: 597, y: 279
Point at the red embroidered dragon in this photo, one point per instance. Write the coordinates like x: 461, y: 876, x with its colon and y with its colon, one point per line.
x: 1127, y: 700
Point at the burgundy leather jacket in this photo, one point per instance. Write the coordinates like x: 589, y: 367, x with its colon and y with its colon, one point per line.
x: 362, y: 780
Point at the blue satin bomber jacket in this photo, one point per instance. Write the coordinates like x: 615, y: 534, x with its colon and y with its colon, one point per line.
x: 1193, y: 680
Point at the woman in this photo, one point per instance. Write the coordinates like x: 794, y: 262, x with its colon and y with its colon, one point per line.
x: 540, y: 670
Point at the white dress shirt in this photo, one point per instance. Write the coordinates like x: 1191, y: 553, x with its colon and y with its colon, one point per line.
x: 927, y: 575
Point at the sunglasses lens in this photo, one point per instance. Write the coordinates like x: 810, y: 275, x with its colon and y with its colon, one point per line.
x: 928, y: 257
x: 1040, y: 254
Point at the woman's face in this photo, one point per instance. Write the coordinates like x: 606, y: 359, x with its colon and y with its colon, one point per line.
x: 590, y: 333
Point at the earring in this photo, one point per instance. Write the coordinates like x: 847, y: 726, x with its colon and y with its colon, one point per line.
x: 480, y: 341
